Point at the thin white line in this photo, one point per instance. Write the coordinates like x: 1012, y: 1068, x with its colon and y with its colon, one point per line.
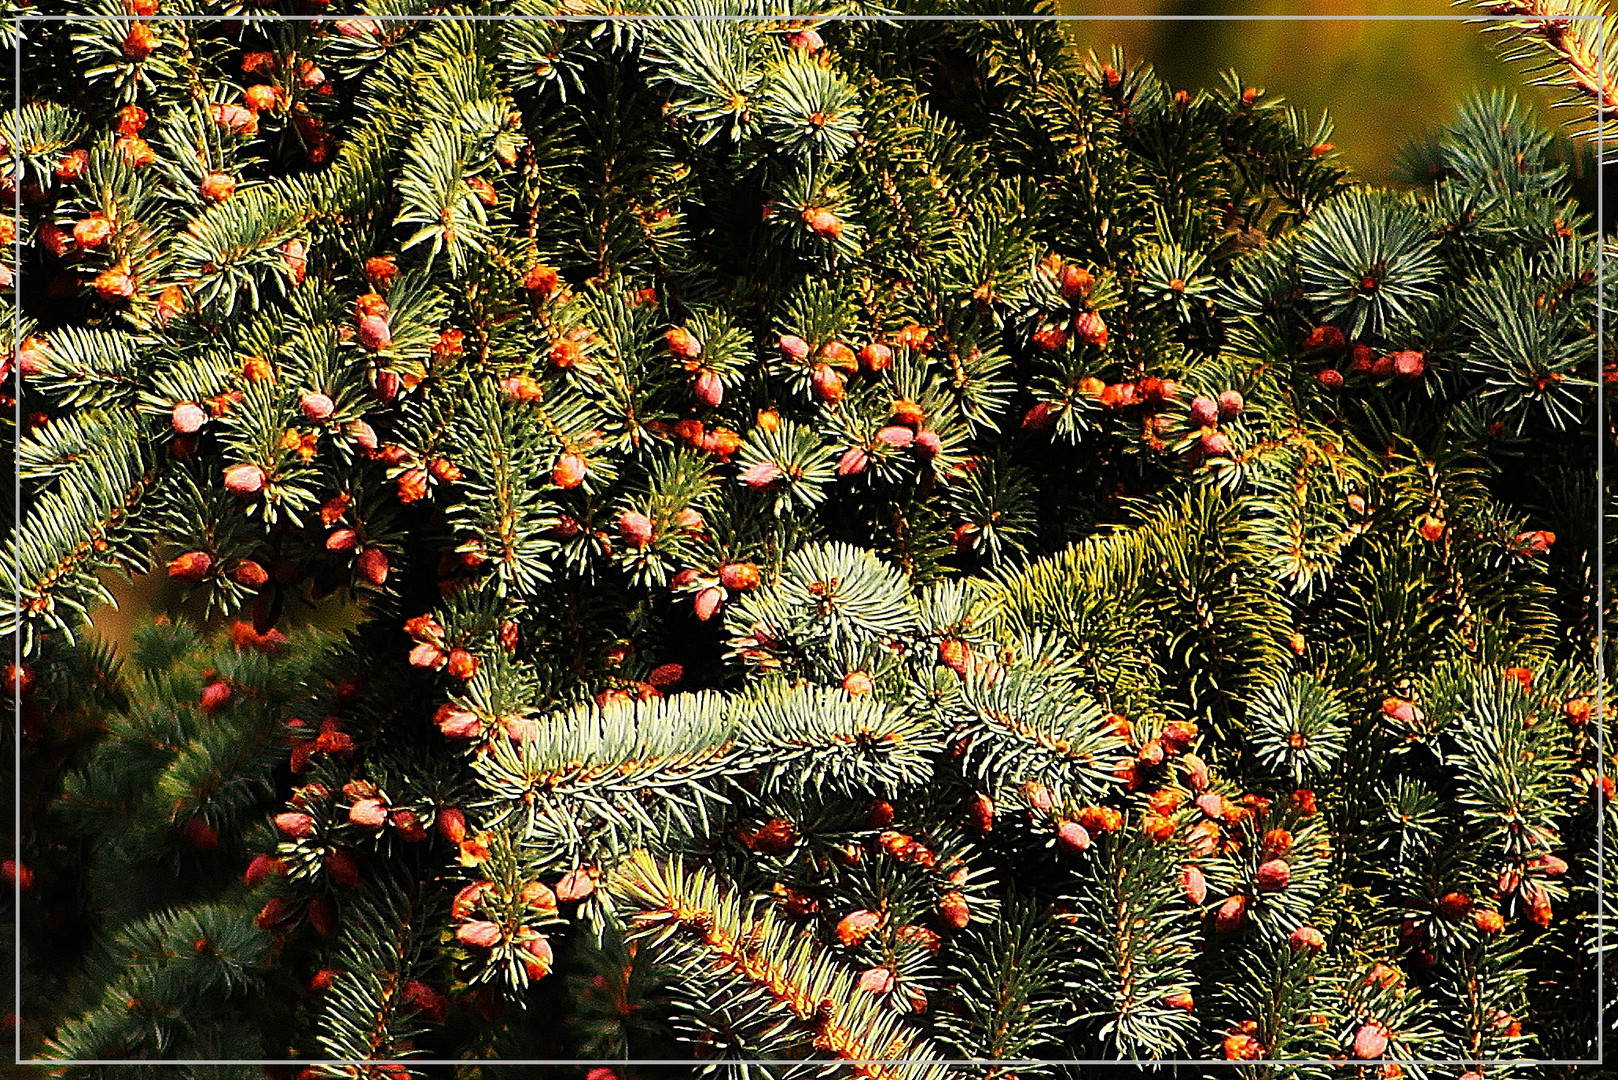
x: 1601, y: 565
x: 16, y: 640
x: 703, y: 1062
x: 631, y: 18
x: 16, y: 324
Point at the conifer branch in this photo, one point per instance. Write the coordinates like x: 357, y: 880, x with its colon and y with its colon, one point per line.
x: 787, y: 995
x: 1559, y: 41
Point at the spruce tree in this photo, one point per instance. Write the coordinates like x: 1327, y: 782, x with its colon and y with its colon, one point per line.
x: 864, y: 540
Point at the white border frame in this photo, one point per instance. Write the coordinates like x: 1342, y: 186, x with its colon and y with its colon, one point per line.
x: 21, y: 22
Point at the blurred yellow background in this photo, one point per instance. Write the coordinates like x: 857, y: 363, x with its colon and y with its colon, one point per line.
x: 1383, y: 82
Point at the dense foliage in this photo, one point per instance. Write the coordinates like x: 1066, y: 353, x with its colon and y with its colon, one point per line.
x: 865, y: 539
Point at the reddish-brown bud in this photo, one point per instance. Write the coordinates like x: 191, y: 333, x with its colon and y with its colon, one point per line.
x: 856, y: 926
x: 191, y: 568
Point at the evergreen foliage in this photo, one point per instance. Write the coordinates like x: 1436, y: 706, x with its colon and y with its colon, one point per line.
x: 866, y: 540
